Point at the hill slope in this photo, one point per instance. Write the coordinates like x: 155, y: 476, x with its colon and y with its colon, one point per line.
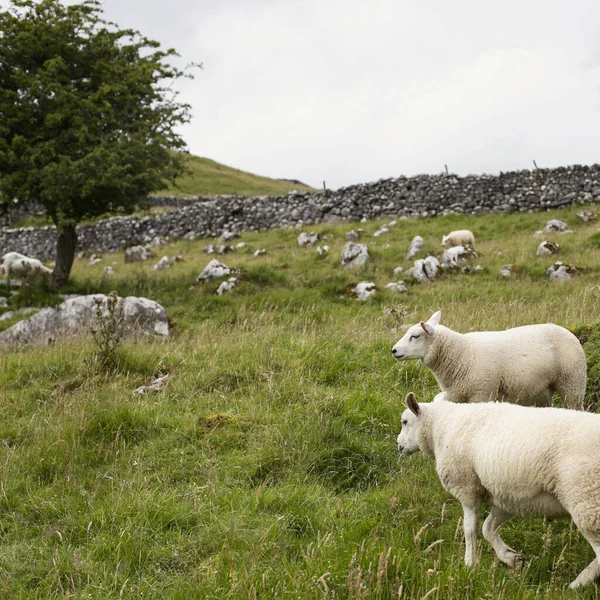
x: 267, y: 466
x: 207, y: 177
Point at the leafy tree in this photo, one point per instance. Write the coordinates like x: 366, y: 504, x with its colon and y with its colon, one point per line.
x: 88, y: 120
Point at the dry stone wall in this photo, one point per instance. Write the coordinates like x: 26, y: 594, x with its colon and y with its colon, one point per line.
x: 419, y: 196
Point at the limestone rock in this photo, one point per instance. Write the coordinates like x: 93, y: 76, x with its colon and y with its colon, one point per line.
x: 364, y: 290
x: 137, y: 253
x: 547, y: 248
x: 397, y: 286
x: 214, y: 270
x: 415, y: 247
x: 73, y: 318
x: 162, y: 264
x: 556, y: 225
x: 561, y: 272
x: 587, y: 216
x: 506, y: 270
x: 354, y: 255
x: 424, y: 269
x: 226, y: 286
x: 306, y: 240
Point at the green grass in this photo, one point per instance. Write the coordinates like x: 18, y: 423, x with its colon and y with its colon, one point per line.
x: 267, y: 467
x: 206, y: 177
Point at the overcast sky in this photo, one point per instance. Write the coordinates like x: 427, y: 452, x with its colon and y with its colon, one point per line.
x: 352, y: 90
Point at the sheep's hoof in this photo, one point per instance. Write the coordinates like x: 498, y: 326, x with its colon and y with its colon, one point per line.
x: 513, y: 559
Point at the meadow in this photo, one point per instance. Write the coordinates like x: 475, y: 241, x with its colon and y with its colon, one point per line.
x: 267, y: 468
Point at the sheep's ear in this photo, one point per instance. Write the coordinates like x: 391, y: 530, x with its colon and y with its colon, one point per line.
x: 427, y: 328
x: 434, y: 320
x: 412, y: 404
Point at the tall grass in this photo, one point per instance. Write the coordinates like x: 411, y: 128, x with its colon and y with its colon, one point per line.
x: 267, y: 467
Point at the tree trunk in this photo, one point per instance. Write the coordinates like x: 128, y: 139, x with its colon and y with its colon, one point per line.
x: 65, y: 254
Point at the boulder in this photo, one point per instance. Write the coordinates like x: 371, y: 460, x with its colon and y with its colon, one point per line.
x: 561, y: 272
x: 162, y: 264
x: 227, y: 236
x: 397, y: 286
x: 506, y: 270
x: 354, y: 255
x: 260, y: 252
x: 556, y: 225
x: 322, y: 250
x: 137, y: 253
x: 547, y: 248
x: 73, y: 318
x: 587, y: 216
x: 214, y: 270
x: 383, y: 229
x: 415, y: 247
x: 306, y: 240
x: 424, y: 269
x: 364, y: 290
x: 226, y: 286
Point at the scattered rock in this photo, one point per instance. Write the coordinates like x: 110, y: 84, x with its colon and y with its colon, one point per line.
x: 364, y: 290
x: 561, y: 272
x: 383, y: 229
x: 3, y: 302
x: 415, y: 246
x: 556, y: 225
x: 392, y: 223
x: 506, y: 270
x: 306, y: 240
x: 467, y: 269
x: 321, y: 250
x: 424, y: 270
x: 397, y: 286
x: 94, y: 260
x: 538, y: 233
x: 157, y: 241
x: 240, y: 245
x: 227, y: 236
x: 587, y: 216
x: 162, y: 264
x: 108, y: 271
x: 218, y: 249
x: 354, y: 255
x: 260, y: 252
x: 214, y: 270
x: 226, y: 286
x: 155, y: 386
x: 397, y: 270
x: 546, y: 248
x: 352, y: 236
x: 137, y: 253
x: 73, y: 318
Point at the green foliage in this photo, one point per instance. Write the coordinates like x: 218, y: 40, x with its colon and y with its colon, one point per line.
x: 88, y: 115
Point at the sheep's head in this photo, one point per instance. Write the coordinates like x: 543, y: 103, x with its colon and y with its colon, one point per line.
x: 417, y: 339
x: 445, y: 240
x: 408, y: 440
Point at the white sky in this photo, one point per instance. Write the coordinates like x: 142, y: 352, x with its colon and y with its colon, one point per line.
x: 349, y: 91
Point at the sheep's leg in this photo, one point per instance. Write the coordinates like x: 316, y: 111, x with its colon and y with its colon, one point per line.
x: 592, y: 571
x: 490, y: 532
x: 471, y: 518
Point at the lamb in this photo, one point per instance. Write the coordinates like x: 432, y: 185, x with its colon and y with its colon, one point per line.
x: 524, y: 461
x: 21, y: 266
x: 524, y: 365
x: 461, y: 237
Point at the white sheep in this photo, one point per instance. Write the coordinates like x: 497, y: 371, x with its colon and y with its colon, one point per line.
x: 461, y: 237
x: 524, y: 461
x: 18, y: 265
x: 525, y: 365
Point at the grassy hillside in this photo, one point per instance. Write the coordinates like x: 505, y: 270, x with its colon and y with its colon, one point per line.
x: 267, y: 468
x: 209, y: 178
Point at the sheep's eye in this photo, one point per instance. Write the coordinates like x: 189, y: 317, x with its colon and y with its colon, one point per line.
x: 404, y: 421
x: 414, y: 336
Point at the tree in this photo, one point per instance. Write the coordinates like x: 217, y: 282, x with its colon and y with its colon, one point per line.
x: 88, y: 120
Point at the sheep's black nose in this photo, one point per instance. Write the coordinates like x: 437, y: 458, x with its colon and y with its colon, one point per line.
x: 393, y: 350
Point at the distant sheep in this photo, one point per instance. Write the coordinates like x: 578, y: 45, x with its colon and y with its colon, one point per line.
x: 462, y: 237
x: 20, y: 266
x: 524, y: 461
x: 525, y: 365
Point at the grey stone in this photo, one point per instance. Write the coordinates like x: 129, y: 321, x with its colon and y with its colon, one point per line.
x: 306, y: 240
x: 364, y: 290
x: 76, y: 316
x: 547, y: 248
x: 354, y: 255
x: 415, y: 246
x: 137, y: 253
x: 556, y: 225
x: 213, y: 270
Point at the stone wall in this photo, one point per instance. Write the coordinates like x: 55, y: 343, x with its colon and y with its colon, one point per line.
x: 419, y: 196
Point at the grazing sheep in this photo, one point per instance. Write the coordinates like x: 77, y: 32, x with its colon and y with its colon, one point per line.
x: 524, y: 365
x: 461, y: 237
x: 524, y: 461
x: 21, y: 266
